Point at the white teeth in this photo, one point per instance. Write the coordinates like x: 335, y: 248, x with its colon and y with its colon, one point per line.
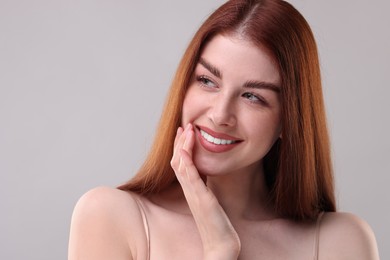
x: 215, y: 140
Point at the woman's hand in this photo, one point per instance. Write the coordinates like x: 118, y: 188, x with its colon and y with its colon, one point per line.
x: 219, y: 239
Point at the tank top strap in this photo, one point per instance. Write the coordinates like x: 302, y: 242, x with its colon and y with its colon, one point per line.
x: 145, y: 222
x: 317, y: 236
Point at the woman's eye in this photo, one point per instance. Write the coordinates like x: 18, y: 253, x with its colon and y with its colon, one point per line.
x: 206, y: 82
x: 253, y: 98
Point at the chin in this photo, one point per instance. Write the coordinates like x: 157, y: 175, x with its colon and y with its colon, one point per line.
x: 209, y: 168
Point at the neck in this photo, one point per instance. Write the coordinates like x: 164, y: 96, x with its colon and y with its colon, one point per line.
x: 243, y: 194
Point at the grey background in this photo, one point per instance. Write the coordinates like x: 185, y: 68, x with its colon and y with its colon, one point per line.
x: 82, y: 84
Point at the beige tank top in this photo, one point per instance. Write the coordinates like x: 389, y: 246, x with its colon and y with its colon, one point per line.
x: 147, y: 232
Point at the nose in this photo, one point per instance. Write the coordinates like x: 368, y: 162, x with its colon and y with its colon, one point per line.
x: 222, y: 111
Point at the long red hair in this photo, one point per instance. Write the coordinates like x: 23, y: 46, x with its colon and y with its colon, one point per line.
x: 298, y: 167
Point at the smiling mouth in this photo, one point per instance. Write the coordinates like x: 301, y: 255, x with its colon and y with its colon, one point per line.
x: 214, y: 140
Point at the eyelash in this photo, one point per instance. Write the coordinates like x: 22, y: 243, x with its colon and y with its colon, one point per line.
x: 258, y: 100
x: 204, y: 81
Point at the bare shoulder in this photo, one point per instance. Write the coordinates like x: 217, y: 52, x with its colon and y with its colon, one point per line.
x: 106, y: 224
x: 346, y: 236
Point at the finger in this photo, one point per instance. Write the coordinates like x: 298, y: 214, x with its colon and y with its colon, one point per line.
x: 188, y: 136
x: 178, y: 134
x: 180, y: 140
x: 176, y: 158
x: 176, y: 145
x: 180, y: 137
x: 189, y: 141
x: 192, y: 173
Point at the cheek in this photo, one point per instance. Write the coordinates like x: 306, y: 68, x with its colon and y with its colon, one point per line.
x: 267, y: 129
x: 188, y: 106
x: 192, y: 106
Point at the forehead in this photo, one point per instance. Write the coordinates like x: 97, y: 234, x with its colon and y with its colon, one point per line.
x: 239, y: 57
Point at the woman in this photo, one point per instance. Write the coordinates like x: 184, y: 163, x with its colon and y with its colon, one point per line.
x: 240, y: 167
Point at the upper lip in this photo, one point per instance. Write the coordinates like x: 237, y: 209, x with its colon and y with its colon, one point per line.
x: 218, y: 135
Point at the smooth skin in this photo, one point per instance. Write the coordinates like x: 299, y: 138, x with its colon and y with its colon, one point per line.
x: 223, y: 242
x: 220, y: 208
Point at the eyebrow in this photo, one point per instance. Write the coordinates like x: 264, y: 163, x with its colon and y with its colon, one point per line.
x: 262, y: 85
x: 249, y: 84
x: 216, y: 72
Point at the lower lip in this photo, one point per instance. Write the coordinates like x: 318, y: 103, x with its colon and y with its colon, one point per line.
x: 214, y: 148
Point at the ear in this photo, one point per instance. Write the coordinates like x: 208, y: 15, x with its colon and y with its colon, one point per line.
x: 280, y: 131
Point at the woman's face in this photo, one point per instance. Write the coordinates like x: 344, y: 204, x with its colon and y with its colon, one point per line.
x: 233, y: 103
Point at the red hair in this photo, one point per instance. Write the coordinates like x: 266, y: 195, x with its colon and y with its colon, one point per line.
x: 298, y: 167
